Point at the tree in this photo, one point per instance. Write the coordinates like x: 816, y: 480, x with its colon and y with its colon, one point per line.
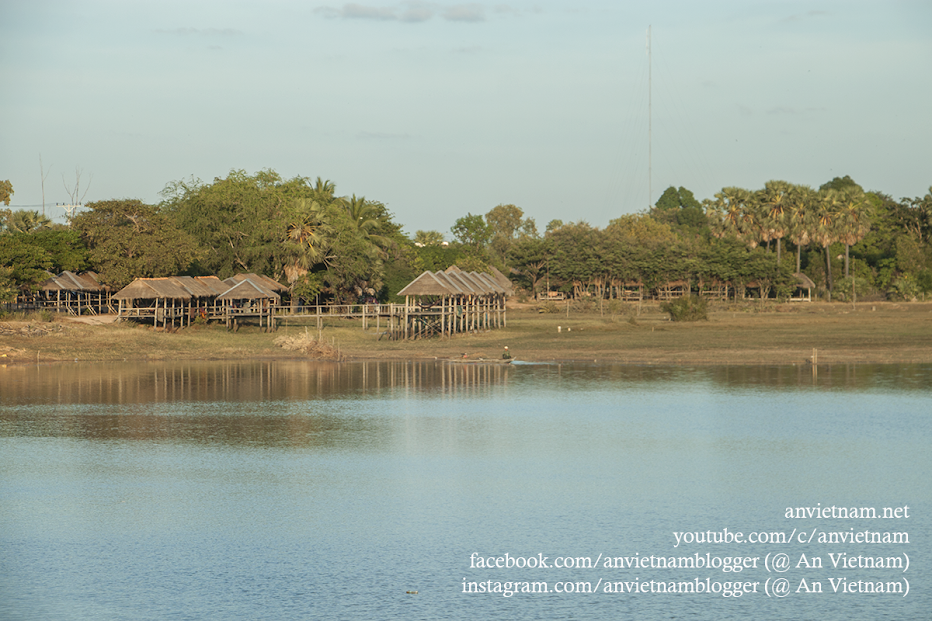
x: 128, y: 239
x: 507, y: 223
x: 776, y: 199
x: 529, y: 256
x: 732, y: 213
x: 25, y: 264
x: 241, y: 221
x: 853, y: 222
x: 826, y: 228
x: 679, y: 207
x: 800, y: 220
x: 472, y: 231
x: 24, y: 221
x: 840, y: 183
x: 428, y: 238
x: 6, y: 192
x: 307, y: 239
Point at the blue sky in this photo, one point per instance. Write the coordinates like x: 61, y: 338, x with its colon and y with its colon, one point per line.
x: 440, y: 109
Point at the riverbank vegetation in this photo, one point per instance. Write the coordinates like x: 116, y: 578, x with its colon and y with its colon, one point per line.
x: 331, y: 247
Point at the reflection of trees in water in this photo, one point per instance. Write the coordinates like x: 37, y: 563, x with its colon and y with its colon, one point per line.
x: 311, y: 404
x: 114, y: 383
x: 269, y: 403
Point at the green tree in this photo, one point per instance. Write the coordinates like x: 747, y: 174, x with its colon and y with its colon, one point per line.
x: 826, y: 228
x: 840, y: 183
x: 240, y: 221
x: 6, y: 192
x: 776, y: 200
x: 679, y: 207
x: 852, y: 220
x: 428, y: 238
x: 529, y: 257
x: 128, y: 239
x: 64, y: 247
x: 26, y: 221
x: 25, y: 264
x: 473, y: 232
x: 800, y: 219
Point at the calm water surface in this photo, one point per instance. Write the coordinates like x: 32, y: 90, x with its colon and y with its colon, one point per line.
x: 286, y: 490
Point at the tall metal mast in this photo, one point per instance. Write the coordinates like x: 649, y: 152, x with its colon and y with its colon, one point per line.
x: 649, y: 128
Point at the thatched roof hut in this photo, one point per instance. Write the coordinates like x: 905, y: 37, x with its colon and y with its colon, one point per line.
x: 453, y: 281
x: 153, y: 289
x: 257, y: 279
x: 69, y: 281
x: 246, y: 289
x: 430, y: 283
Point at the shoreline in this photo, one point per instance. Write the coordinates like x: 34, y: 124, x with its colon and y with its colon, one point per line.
x: 735, y: 335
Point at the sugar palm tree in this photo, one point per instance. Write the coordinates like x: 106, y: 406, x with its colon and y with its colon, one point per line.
x: 730, y: 214
x: 853, y: 222
x: 776, y: 200
x: 825, y: 229
x: 800, y: 218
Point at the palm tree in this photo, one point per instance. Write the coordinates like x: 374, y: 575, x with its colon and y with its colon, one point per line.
x: 307, y: 237
x: 730, y: 214
x: 776, y: 200
x: 368, y: 219
x: 27, y: 222
x: 853, y: 223
x: 826, y: 228
x: 323, y: 191
x: 800, y: 218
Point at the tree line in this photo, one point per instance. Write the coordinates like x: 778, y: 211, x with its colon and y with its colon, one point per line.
x: 328, y: 247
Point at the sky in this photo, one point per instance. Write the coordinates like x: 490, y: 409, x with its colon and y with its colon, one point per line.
x: 440, y: 109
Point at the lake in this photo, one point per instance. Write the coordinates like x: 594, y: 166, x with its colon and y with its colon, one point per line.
x: 298, y: 490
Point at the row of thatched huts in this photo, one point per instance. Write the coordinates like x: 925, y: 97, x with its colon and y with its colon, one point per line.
x: 451, y: 301
x: 180, y: 300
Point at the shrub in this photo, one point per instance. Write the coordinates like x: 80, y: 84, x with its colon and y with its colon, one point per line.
x: 687, y: 308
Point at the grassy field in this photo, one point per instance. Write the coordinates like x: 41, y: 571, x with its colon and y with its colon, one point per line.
x: 882, y: 332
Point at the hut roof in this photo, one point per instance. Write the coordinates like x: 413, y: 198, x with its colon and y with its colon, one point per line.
x: 246, y: 289
x: 428, y: 283
x: 503, y: 281
x: 69, y: 281
x: 453, y: 281
x: 804, y: 281
x: 488, y: 281
x: 153, y: 288
x: 465, y: 284
x: 257, y: 279
x: 201, y: 286
x: 452, y: 284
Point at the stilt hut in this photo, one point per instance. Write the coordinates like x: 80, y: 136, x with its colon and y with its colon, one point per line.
x: 74, y: 294
x: 171, y: 301
x: 804, y: 287
x: 672, y: 290
x: 162, y: 300
x: 632, y: 291
x: 249, y: 297
x: 438, y: 303
x: 714, y: 290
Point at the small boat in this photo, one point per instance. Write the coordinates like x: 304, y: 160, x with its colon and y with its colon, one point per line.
x: 478, y: 360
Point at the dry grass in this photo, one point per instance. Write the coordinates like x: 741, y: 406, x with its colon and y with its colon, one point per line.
x: 880, y: 332
x: 309, y: 346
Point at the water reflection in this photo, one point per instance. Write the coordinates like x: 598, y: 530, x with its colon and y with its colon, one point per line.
x: 167, y: 382
x: 125, y: 383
